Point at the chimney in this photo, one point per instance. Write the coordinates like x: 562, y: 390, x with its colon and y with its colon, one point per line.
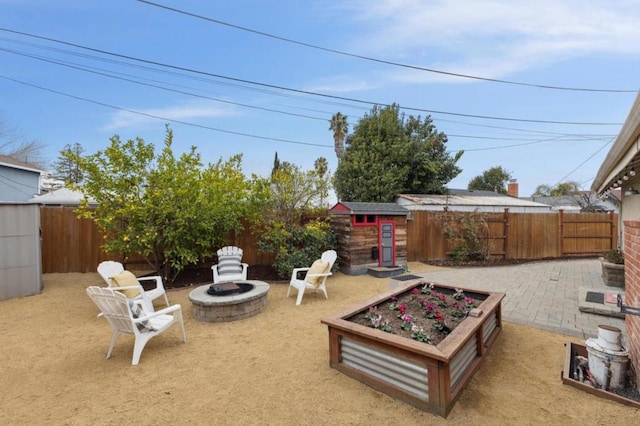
x: 512, y: 188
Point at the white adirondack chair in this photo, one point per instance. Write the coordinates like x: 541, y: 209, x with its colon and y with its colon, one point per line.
x: 110, y: 268
x: 229, y: 266
x: 126, y: 317
x: 316, y: 276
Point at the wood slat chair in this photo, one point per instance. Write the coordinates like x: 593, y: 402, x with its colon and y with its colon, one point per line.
x: 126, y: 316
x: 229, y: 266
x: 315, y: 277
x: 114, y: 274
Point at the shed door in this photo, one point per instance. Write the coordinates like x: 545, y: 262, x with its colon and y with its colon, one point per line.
x: 387, y: 243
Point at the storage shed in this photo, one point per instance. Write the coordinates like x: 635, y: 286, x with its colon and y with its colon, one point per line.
x: 370, y: 235
x: 20, y: 256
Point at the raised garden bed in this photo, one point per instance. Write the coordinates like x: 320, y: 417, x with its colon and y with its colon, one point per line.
x: 429, y: 377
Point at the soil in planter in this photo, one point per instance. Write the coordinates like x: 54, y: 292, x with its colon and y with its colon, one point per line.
x: 418, y: 303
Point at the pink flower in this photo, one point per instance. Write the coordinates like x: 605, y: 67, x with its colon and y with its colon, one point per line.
x: 402, y: 309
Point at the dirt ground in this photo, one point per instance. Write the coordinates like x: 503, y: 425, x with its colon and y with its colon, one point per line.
x: 269, y: 369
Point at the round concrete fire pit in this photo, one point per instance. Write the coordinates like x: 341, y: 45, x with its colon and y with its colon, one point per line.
x: 210, y: 308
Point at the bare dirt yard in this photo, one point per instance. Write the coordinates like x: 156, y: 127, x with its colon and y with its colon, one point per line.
x: 271, y: 369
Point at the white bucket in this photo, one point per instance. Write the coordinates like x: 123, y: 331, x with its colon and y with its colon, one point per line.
x: 610, y: 338
x: 604, y: 363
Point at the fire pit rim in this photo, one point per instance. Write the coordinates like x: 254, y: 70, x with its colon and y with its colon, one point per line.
x: 199, y: 294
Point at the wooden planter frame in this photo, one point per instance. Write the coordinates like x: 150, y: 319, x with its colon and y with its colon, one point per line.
x: 428, y: 377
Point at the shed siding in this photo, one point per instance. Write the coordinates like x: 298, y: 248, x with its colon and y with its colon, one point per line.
x: 20, y: 259
x: 355, y: 242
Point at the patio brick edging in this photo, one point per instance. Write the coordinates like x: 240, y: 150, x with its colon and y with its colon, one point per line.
x: 632, y: 290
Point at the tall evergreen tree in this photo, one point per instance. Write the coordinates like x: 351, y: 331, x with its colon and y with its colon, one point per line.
x: 387, y: 155
x: 67, y: 166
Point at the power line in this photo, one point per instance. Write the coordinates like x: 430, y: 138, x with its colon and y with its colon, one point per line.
x: 381, y: 61
x: 171, y: 120
x: 583, y: 163
x: 105, y: 74
x: 324, y: 95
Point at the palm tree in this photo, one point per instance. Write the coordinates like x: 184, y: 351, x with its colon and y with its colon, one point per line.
x: 321, y: 168
x: 340, y: 128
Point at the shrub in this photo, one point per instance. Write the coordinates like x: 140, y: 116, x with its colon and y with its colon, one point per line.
x: 614, y: 256
x: 297, y: 247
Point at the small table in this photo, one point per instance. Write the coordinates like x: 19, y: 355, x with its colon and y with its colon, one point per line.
x: 233, y: 307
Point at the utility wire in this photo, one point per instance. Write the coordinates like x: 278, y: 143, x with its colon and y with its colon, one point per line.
x: 324, y: 95
x: 105, y: 73
x: 160, y: 117
x: 181, y: 75
x: 583, y: 163
x: 381, y: 61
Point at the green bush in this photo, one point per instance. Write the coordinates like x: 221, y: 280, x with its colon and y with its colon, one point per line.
x: 614, y: 256
x: 297, y: 247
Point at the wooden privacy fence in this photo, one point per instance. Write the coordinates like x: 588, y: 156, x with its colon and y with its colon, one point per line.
x: 518, y: 235
x: 70, y: 244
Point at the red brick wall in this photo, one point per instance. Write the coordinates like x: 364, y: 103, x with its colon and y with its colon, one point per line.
x: 632, y: 290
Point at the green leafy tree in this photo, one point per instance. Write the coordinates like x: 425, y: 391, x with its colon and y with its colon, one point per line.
x: 387, y: 155
x: 564, y: 188
x: 294, y: 195
x: 66, y: 167
x: 494, y: 179
x: 169, y: 209
x: 543, y: 190
x: 340, y: 127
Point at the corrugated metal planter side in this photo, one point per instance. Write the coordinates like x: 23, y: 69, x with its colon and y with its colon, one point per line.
x: 425, y: 376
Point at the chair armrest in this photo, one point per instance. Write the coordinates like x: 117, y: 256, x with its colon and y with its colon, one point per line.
x: 128, y: 287
x: 296, y: 271
x: 164, y: 311
x: 156, y: 278
x: 324, y: 274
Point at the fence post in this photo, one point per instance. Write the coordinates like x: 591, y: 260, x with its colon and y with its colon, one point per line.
x: 561, y: 233
x: 506, y: 233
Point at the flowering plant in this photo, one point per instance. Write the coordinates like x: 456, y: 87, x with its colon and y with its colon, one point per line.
x: 418, y: 333
x: 441, y: 323
x: 407, y: 322
x: 459, y: 294
x: 424, y: 313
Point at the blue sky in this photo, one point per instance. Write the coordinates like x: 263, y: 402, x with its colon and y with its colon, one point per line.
x: 197, y: 75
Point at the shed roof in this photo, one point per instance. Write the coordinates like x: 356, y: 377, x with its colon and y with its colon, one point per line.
x: 17, y: 164
x: 353, y: 207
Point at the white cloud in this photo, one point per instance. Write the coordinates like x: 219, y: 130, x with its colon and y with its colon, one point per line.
x: 491, y: 38
x: 186, y: 112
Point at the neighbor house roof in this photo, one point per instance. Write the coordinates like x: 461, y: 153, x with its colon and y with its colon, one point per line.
x: 353, y: 207
x: 470, y: 200
x: 61, y: 196
x: 572, y: 202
